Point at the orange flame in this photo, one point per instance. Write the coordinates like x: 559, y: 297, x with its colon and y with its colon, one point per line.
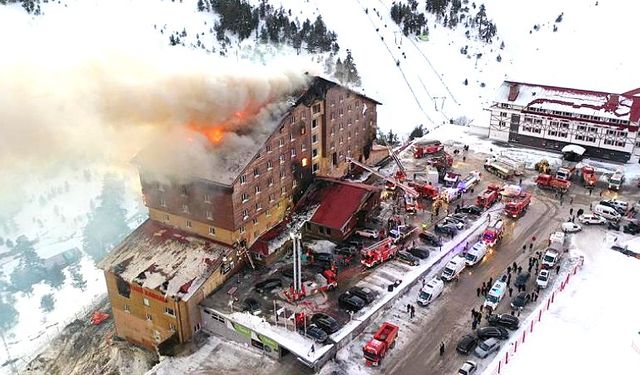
x: 213, y: 133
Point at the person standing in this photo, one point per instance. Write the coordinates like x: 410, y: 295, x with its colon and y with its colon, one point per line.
x: 478, y: 292
x: 441, y: 348
x: 510, y: 291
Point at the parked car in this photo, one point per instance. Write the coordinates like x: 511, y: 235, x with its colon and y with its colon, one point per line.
x: 488, y: 332
x: 472, y: 210
x: 368, y: 233
x: 346, y: 250
x: 358, y: 244
x: 631, y: 228
x: 315, y: 333
x: 504, y: 320
x: 519, y: 301
x: 350, y: 302
x: 487, y: 347
x: 460, y: 216
x: 364, y: 293
x: 466, y: 344
x: 621, y: 206
x: 446, y: 228
x: 468, y: 368
x: 252, y: 305
x: 570, y: 227
x: 458, y: 223
x: 407, y: 258
x: 613, y: 225
x: 430, y: 239
x: 521, y: 279
x: 326, y: 322
x: 590, y: 219
x: 325, y: 258
x: 268, y: 285
x: 419, y: 252
x: 543, y: 278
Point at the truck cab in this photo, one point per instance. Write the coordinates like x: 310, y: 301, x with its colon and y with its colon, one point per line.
x: 430, y: 291
x: 616, y: 180
x: 453, y: 268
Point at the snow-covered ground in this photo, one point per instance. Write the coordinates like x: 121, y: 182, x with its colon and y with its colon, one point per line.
x: 596, y: 316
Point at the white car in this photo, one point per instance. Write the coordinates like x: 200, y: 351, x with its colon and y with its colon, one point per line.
x: 570, y: 227
x: 543, y: 278
x: 590, y: 219
x: 468, y: 368
x: 368, y: 233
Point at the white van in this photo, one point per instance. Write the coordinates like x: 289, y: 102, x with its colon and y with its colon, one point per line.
x: 495, y: 295
x: 556, y: 241
x: 453, y: 268
x: 550, y: 258
x: 606, y: 212
x: 430, y: 291
x: 476, y: 253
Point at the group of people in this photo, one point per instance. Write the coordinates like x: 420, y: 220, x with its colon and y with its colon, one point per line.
x: 411, y: 310
x: 476, y: 317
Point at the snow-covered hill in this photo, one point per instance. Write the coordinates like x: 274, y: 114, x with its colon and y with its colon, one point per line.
x: 418, y: 81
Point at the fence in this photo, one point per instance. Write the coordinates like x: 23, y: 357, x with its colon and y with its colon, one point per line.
x: 509, y: 351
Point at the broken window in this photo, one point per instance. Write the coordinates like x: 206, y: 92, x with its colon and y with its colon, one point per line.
x: 212, y: 231
x: 169, y: 311
x: 124, y: 289
x: 189, y: 224
x: 316, y: 108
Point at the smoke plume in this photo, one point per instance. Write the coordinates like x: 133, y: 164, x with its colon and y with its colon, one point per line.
x: 77, y: 89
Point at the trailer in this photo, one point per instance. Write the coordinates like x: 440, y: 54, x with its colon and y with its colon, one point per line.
x: 616, y: 180
x: 545, y: 181
x: 383, y: 340
x: 379, y: 252
x: 589, y: 177
x: 451, y: 179
x: 488, y: 197
x: 518, y: 205
x: 470, y: 181
x: 493, y: 233
x: 499, y: 169
x: 423, y: 149
x: 516, y: 165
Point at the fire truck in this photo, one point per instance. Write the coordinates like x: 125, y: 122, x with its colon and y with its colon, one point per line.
x: 378, y: 253
x: 589, y: 177
x: 566, y: 172
x: 493, y: 233
x: 451, y: 179
x: 518, y: 205
x: 323, y: 281
x: 545, y: 181
x: 425, y: 190
x: 470, y: 181
x: 488, y: 197
x: 426, y: 148
x: 383, y: 340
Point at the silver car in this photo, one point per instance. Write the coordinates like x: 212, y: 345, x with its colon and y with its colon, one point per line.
x: 487, y: 347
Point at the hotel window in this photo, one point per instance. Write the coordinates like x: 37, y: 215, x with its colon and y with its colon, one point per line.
x: 255, y: 222
x: 304, y: 146
x: 258, y: 207
x: 291, y: 137
x: 169, y: 311
x: 183, y: 190
x: 256, y: 172
x: 271, y: 198
x: 316, y: 167
x: 209, y: 214
x: 126, y: 308
x: 242, y: 229
x: 281, y: 129
x: 270, y: 181
x: 207, y: 198
x: 503, y: 114
x: 243, y: 179
x: 293, y: 152
x: 316, y: 108
x: 245, y: 197
x: 333, y: 116
x: 281, y: 158
x: 280, y: 142
x: 145, y: 301
x: 212, y: 231
x: 189, y: 225
x: 314, y: 138
x: 245, y: 214
x: 185, y: 208
x: 283, y: 190
x: 303, y: 129
x: 314, y: 153
x: 266, y: 212
x: 282, y: 174
x: 349, y: 108
x: 340, y: 98
x: 269, y: 165
x: 258, y: 189
x: 341, y: 126
x: 348, y: 135
x: 163, y: 203
x: 314, y: 123
x: 341, y: 112
x: 268, y: 148
x: 149, y: 318
x: 292, y: 119
x: 333, y: 130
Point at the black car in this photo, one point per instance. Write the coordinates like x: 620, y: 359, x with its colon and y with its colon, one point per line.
x: 327, y: 323
x: 315, y: 333
x: 358, y: 244
x: 459, y: 216
x: 268, y: 285
x: 488, y: 332
x: 454, y: 219
x: 430, y: 239
x: 521, y: 279
x: 419, y: 252
x: 350, y: 302
x: 504, y: 320
x: 447, y: 228
x: 346, y: 251
x: 407, y: 258
x: 251, y: 305
x: 472, y: 210
x: 613, y: 225
x: 631, y: 228
x: 365, y: 294
x: 519, y: 301
x: 324, y: 258
x: 467, y: 344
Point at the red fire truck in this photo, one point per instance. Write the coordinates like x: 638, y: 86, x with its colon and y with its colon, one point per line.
x: 518, y: 205
x: 427, y: 148
x: 489, y: 196
x: 545, y: 181
x: 493, y: 233
x: 378, y: 253
x: 425, y: 190
x: 383, y: 340
x: 589, y: 177
x: 324, y: 281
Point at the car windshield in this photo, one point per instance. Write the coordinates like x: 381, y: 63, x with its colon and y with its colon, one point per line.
x: 470, y: 257
x: 492, y: 298
x: 484, y: 346
x: 488, y: 236
x: 425, y: 296
x: 548, y: 258
x: 448, y: 271
x: 542, y: 277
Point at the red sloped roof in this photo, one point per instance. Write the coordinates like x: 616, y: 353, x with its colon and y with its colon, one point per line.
x: 338, y: 202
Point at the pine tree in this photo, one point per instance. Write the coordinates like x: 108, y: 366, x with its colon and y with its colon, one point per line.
x: 47, y: 303
x: 78, y: 280
x: 30, y: 269
x: 340, y: 72
x: 351, y: 72
x: 8, y: 314
x: 417, y: 132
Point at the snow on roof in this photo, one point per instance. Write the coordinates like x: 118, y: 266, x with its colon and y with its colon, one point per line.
x: 584, y: 102
x: 157, y: 257
x: 574, y: 148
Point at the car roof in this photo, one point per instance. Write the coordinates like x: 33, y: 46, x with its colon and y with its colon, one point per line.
x: 490, y: 341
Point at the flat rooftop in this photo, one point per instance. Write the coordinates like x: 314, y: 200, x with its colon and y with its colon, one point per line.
x: 172, y: 262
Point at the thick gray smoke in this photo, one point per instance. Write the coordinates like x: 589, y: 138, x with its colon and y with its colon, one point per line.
x: 70, y: 94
